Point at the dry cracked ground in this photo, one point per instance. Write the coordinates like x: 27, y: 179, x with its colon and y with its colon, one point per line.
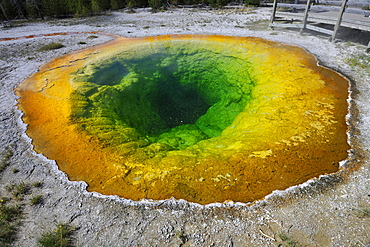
x: 327, y: 211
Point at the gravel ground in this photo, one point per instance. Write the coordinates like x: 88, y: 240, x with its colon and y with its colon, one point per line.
x: 326, y: 211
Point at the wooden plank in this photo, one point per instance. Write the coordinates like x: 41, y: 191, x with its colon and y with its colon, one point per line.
x: 291, y: 25
x: 356, y: 25
x: 292, y: 5
x: 289, y: 14
x: 312, y: 17
x: 358, y: 11
x: 323, y: 19
x: 319, y: 29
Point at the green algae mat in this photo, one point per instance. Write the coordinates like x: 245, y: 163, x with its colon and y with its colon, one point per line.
x: 201, y: 118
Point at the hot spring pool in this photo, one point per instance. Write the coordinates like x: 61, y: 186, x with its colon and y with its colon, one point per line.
x: 195, y: 117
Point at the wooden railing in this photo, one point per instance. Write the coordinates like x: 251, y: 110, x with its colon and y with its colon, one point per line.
x: 307, y: 16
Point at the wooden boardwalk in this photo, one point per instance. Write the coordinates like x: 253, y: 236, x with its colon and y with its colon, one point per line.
x: 312, y: 17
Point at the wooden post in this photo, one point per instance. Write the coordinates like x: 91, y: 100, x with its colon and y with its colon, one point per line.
x: 273, y: 11
x: 304, y: 21
x: 339, y: 20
